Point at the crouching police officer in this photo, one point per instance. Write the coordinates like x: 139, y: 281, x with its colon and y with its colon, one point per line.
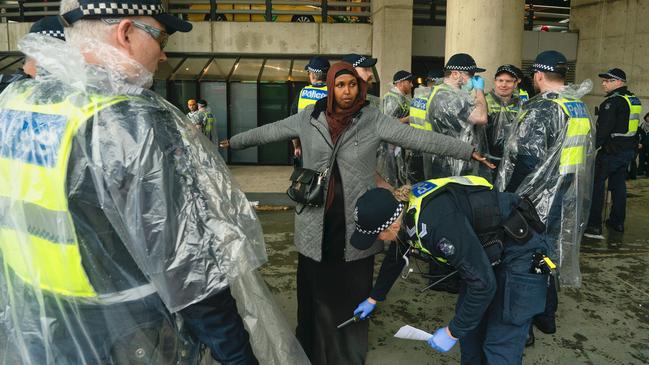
x: 492, y: 240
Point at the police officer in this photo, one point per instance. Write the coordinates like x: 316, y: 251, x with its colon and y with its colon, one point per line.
x: 490, y: 237
x: 549, y: 157
x: 49, y: 26
x: 452, y: 111
x: 391, y: 160
x: 317, y: 70
x: 364, y: 67
x: 207, y: 120
x: 503, y: 104
x: 617, y: 128
x: 421, y: 165
x: 105, y: 231
x: 434, y: 77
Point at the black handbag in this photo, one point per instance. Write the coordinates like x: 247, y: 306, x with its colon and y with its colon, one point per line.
x: 308, y: 186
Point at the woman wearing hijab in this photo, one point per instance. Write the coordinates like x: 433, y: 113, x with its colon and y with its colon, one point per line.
x: 332, y: 276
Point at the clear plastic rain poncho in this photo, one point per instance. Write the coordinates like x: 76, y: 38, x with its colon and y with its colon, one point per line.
x: 448, y: 114
x: 116, y: 217
x: 534, y: 165
x: 391, y: 160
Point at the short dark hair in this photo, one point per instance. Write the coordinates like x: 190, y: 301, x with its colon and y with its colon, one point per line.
x: 555, y: 76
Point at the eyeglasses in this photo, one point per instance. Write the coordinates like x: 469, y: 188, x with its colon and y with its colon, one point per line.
x: 159, y: 35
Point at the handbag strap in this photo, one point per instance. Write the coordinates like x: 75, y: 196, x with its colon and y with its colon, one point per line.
x: 327, y: 171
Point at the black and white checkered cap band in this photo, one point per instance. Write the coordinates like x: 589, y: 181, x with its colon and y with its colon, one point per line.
x: 461, y: 68
x: 403, y: 79
x: 385, y: 225
x: 53, y: 33
x: 539, y: 66
x: 121, y: 9
x: 359, y: 61
x: 614, y: 77
x: 314, y: 70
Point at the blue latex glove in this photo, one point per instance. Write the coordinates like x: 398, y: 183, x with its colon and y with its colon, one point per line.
x: 364, y: 309
x: 478, y: 82
x: 441, y: 341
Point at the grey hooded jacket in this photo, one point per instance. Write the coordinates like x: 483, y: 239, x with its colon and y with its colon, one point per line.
x: 356, y: 161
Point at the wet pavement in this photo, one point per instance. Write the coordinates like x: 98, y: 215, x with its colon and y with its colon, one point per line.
x: 604, y: 322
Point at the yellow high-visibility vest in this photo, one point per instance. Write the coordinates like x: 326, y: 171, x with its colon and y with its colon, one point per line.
x: 419, y: 109
x: 523, y: 95
x: 494, y: 106
x: 43, y: 252
x: 309, y: 95
x: 635, y: 109
x: 423, y: 191
x: 573, y: 151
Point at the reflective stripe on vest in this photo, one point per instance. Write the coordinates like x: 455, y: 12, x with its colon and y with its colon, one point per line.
x: 573, y: 151
x: 209, y: 122
x: 494, y: 106
x: 309, y: 95
x: 425, y: 189
x: 422, y: 113
x: 635, y: 109
x: 405, y: 108
x: 37, y: 235
x: 523, y: 95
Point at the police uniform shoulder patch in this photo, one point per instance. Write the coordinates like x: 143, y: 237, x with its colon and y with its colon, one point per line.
x: 423, y: 231
x: 607, y: 106
x: 446, y: 247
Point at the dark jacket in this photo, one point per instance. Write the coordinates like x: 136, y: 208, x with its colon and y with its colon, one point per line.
x: 613, y: 117
x: 448, y: 233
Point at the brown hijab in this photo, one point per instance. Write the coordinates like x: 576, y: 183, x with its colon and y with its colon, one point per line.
x: 340, y: 119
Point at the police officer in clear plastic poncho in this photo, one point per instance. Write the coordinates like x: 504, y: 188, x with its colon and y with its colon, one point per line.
x: 122, y: 239
x: 549, y: 157
x: 453, y: 111
x: 391, y: 159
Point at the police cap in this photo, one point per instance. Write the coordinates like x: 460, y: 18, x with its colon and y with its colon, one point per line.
x: 462, y: 62
x: 402, y: 76
x: 359, y: 61
x: 317, y: 64
x: 98, y: 9
x: 49, y: 25
x: 510, y: 69
x: 614, y: 73
x: 550, y: 61
x: 376, y: 211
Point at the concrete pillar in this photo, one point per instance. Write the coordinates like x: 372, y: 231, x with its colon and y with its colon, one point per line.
x: 391, y: 38
x: 612, y: 34
x: 490, y: 31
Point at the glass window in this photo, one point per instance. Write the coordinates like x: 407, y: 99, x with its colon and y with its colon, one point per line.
x: 276, y: 70
x: 243, y: 116
x: 299, y: 73
x: 191, y: 68
x: 246, y: 70
x: 166, y: 68
x: 219, y: 69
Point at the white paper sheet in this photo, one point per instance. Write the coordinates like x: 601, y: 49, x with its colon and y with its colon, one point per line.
x: 411, y: 333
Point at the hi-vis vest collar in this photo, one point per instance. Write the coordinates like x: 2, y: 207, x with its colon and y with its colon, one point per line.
x: 574, y: 147
x: 421, y: 193
x: 419, y: 108
x: 309, y: 95
x: 405, y: 107
x: 635, y: 109
x: 37, y: 235
x: 494, y: 106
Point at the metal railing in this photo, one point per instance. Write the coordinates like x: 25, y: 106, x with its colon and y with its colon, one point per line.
x: 537, y: 16
x: 350, y: 11
x: 302, y: 11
